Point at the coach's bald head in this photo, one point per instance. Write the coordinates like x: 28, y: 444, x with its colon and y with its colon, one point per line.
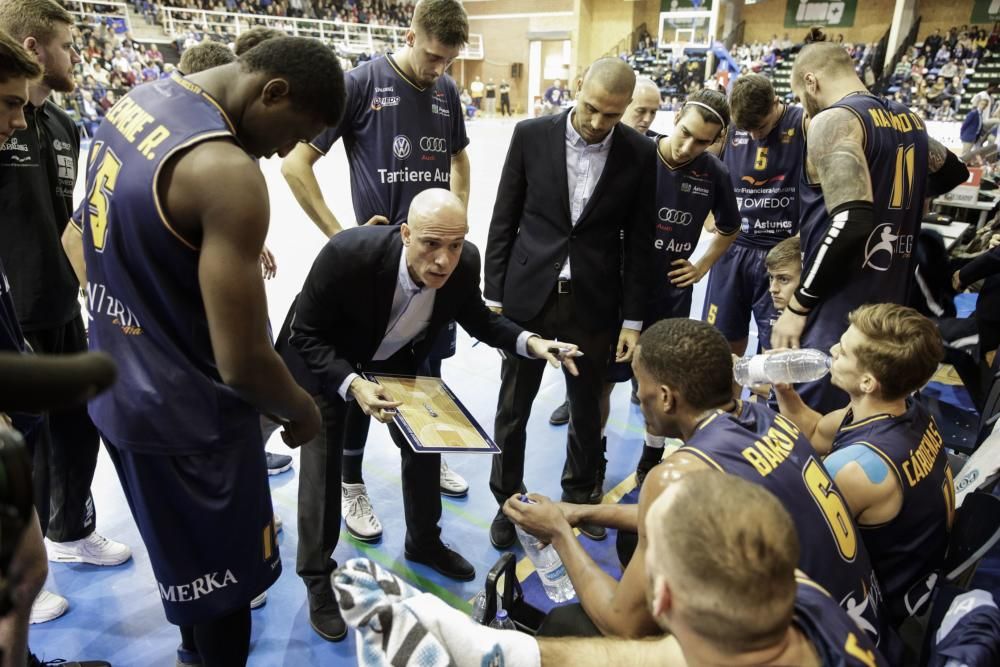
x: 433, y: 236
x: 645, y: 103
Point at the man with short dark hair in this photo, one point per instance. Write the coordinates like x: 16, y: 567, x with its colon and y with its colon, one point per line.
x: 254, y: 36
x: 764, y: 157
x: 204, y: 55
x: 37, y: 177
x: 177, y: 299
x: 404, y: 132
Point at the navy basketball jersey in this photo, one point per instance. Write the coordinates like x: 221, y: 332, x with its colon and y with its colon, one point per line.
x: 911, y: 546
x: 685, y: 195
x: 895, y: 144
x: 835, y: 636
x: 399, y: 137
x: 765, y: 176
x: 766, y: 448
x: 143, y: 295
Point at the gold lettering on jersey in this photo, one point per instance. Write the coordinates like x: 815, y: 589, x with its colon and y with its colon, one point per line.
x: 921, y: 462
x: 901, y: 122
x: 774, y: 448
x: 131, y: 121
x: 152, y: 140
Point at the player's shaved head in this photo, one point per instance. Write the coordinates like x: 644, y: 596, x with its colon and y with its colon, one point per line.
x: 433, y: 236
x: 823, y: 59
x: 721, y: 561
x: 613, y: 75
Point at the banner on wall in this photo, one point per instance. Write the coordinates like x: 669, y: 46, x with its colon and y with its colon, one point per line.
x: 826, y: 13
x: 684, y: 5
x: 985, y: 11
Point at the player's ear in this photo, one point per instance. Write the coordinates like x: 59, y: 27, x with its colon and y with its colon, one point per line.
x: 404, y: 231
x: 274, y: 91
x: 869, y: 385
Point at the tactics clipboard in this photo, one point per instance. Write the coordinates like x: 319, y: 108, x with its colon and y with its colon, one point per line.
x: 432, y: 418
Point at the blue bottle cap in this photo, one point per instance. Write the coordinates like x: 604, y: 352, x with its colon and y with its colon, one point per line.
x: 501, y: 614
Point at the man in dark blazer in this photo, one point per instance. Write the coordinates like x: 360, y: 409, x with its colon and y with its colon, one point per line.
x: 571, y: 185
x: 373, y: 301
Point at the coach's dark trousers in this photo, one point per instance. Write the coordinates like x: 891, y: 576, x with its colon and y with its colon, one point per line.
x: 64, y: 450
x: 319, y: 517
x: 519, y: 382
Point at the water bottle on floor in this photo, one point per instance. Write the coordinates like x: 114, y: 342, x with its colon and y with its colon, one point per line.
x: 554, y: 578
x: 787, y: 367
x: 479, y: 607
x: 502, y: 621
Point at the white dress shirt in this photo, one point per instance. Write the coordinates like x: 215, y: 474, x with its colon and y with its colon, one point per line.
x: 584, y: 166
x: 412, y: 305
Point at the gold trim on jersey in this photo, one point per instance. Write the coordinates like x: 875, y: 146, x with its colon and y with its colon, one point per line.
x: 664, y: 160
x: 803, y: 578
x: 156, y: 179
x: 866, y: 421
x: 406, y: 79
x: 702, y: 455
x: 198, y: 90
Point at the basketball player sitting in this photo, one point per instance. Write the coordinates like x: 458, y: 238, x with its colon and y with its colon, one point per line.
x: 884, y: 450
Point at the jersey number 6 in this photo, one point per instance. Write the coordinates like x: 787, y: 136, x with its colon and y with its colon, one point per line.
x: 833, y: 507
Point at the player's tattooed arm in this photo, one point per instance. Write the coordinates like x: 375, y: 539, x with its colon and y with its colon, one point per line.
x: 836, y: 148
x: 936, y: 155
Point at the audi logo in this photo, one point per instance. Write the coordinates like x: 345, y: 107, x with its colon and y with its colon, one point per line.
x: 401, y: 146
x: 673, y: 216
x: 433, y: 144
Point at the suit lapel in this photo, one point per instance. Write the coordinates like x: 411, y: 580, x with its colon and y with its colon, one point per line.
x: 610, y: 169
x: 557, y: 150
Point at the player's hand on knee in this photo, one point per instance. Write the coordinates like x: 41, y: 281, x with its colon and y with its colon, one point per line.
x: 374, y: 400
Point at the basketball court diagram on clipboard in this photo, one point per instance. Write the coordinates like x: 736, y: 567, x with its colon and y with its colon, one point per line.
x: 432, y: 418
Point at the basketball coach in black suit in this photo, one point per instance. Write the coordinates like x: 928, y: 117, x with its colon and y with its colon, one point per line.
x: 571, y: 186
x: 374, y: 300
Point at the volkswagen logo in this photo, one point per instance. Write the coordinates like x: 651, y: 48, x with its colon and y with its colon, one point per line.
x: 433, y: 144
x: 672, y: 215
x: 401, y: 146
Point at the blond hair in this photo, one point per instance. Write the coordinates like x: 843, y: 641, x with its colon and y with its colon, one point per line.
x: 785, y: 253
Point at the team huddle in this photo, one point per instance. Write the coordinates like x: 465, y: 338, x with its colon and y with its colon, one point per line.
x: 812, y: 212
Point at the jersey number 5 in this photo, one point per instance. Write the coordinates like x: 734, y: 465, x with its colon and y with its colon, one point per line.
x: 833, y: 507
x: 105, y: 179
x: 760, y: 162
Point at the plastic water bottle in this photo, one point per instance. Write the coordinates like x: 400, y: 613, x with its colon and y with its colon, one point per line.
x: 479, y: 607
x: 554, y: 578
x: 502, y: 622
x: 788, y: 367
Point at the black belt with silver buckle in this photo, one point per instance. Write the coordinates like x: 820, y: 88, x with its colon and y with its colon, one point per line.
x: 563, y: 287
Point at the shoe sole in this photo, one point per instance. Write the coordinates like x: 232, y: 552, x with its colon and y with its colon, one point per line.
x: 558, y: 422
x: 454, y: 494
x: 450, y: 575
x: 503, y: 547
x: 59, y: 558
x: 278, y: 471
x: 329, y: 638
x: 368, y: 539
x: 37, y: 621
x: 595, y: 538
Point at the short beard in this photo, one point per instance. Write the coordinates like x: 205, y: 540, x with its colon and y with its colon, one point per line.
x: 59, y: 83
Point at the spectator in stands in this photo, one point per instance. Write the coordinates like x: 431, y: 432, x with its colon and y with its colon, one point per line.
x: 955, y: 90
x: 949, y: 69
x: 946, y: 112
x: 973, y: 125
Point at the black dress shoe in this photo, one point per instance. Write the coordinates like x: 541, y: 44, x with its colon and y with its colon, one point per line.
x: 602, y: 470
x: 560, y: 415
x: 502, y: 533
x: 445, y: 561
x: 596, y: 533
x: 325, y: 618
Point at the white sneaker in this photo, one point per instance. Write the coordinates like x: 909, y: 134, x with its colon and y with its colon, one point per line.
x: 278, y: 523
x: 259, y: 601
x: 452, y: 484
x: 48, y: 607
x: 358, y: 513
x: 94, y: 549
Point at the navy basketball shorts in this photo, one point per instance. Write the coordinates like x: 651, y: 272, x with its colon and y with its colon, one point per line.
x: 737, y: 289
x: 208, y: 525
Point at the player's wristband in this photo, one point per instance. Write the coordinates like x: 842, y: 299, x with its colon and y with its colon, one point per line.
x: 800, y: 313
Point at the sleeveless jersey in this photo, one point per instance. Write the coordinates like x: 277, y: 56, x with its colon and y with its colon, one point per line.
x: 685, y: 195
x: 766, y: 448
x: 835, y: 636
x: 765, y: 176
x: 911, y: 546
x: 399, y: 137
x: 143, y: 295
x: 895, y: 144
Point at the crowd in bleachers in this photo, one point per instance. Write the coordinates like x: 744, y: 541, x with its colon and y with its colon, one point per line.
x: 931, y: 78
x: 112, y: 62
